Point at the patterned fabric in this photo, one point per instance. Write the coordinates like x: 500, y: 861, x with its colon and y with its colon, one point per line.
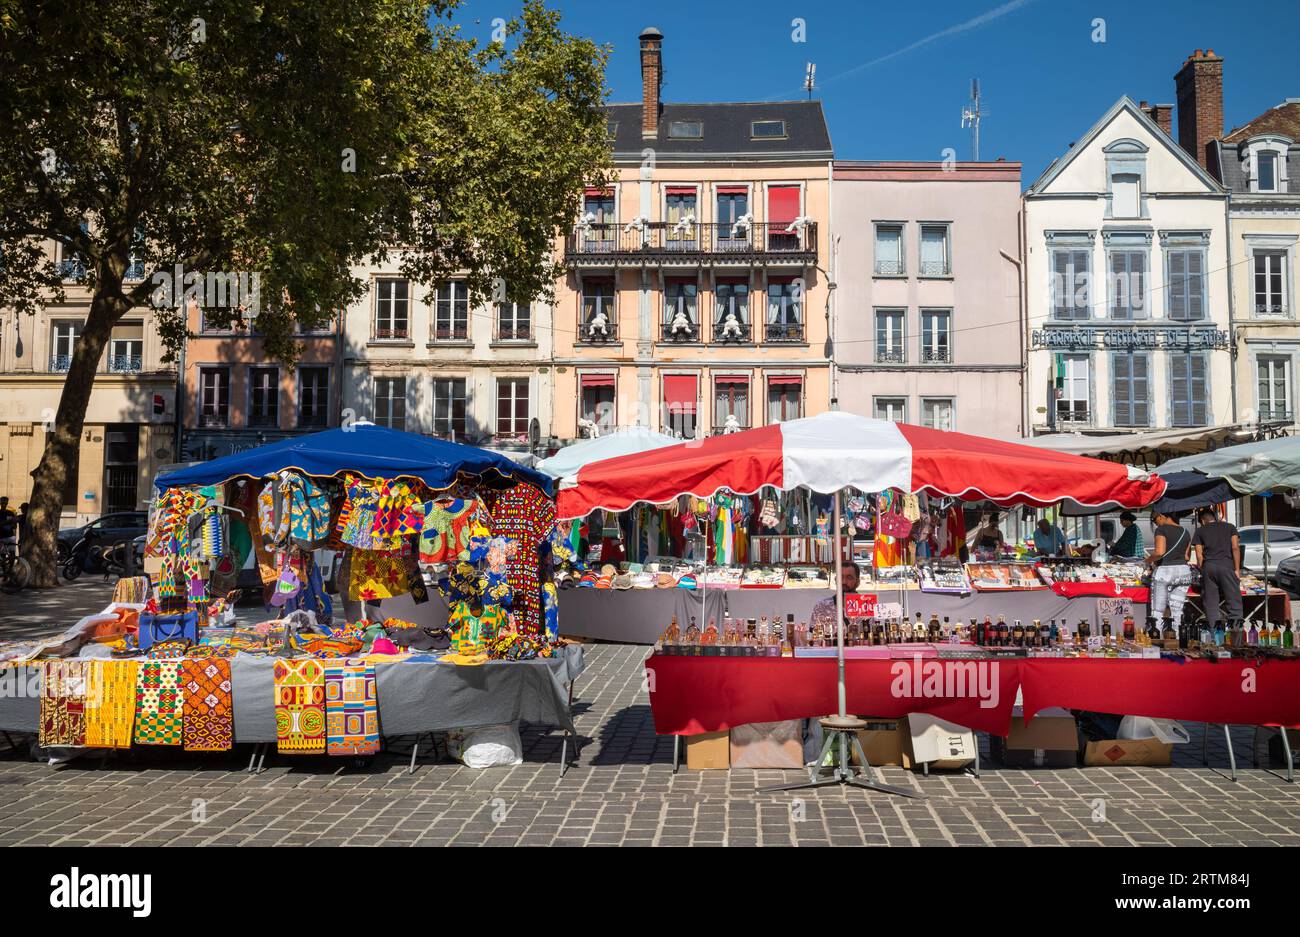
x: 308, y: 509
x: 63, y: 703
x: 207, y: 713
x: 526, y: 516
x: 471, y: 632
x: 358, y: 516
x: 447, y: 527
x: 299, y: 707
x: 158, y: 703
x: 110, y: 703
x: 376, y: 575
x: 351, y: 710
x: 395, y: 515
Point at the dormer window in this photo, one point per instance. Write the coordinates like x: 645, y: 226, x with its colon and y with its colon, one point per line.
x: 1126, y: 167
x: 1264, y: 162
x: 685, y: 130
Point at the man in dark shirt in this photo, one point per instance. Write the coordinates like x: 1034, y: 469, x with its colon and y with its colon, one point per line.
x: 1129, y: 544
x: 1218, y: 553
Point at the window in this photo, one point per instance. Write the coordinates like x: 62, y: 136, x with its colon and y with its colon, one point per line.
x: 1130, y: 373
x: 218, y: 321
x: 732, y: 204
x: 263, y: 397
x: 936, y: 336
x: 682, y: 218
x: 1125, y: 190
x: 783, y: 209
x: 1128, y: 270
x: 1274, y: 382
x: 1266, y: 171
x: 685, y: 130
x: 63, y: 339
x: 784, y: 318
x: 1070, y: 294
x: 599, y: 220
x: 1188, y: 390
x: 889, y: 337
x: 784, y: 398
x: 449, y: 400
x: 214, y: 397
x: 72, y: 266
x: 730, y: 399
x: 392, y: 309
x: 1073, y: 388
x: 889, y: 250
x: 731, y: 308
x: 514, y: 322
x: 597, y: 400
x: 1270, y: 281
x: 512, y: 407
x: 680, y: 322
x: 313, y: 396
x: 451, y: 319
x: 893, y: 409
x: 680, y: 399
x: 767, y: 129
x: 126, y: 348
x: 599, y: 323
x: 390, y: 402
x: 936, y: 412
x: 935, y: 258
x: 1186, y: 289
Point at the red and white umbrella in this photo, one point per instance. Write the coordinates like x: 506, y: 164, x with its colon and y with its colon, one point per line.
x: 838, y: 450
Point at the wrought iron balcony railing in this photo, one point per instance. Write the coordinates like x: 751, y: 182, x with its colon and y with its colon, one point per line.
x: 890, y: 356
x: 687, y: 332
x: 783, y: 332
x: 451, y: 333
x: 392, y: 335
x: 125, y: 364
x: 935, y: 356
x: 668, y: 239
x: 725, y: 333
x: 60, y: 363
x: 597, y: 332
x: 935, y: 268
x: 518, y: 333
x: 890, y: 268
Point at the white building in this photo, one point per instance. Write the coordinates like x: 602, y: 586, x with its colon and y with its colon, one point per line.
x: 1127, y: 285
x: 428, y: 361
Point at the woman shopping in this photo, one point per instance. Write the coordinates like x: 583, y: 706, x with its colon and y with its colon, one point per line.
x: 1171, y: 577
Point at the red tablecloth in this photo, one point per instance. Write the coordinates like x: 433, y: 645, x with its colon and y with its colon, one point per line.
x: 689, y: 695
x: 1105, y: 587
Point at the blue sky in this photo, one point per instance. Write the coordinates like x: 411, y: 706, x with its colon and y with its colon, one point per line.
x: 893, y: 78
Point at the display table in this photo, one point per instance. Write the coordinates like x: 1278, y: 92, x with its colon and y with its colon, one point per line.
x: 414, y: 696
x: 690, y: 695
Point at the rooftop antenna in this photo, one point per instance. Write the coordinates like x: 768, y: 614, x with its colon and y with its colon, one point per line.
x: 970, y: 117
x: 810, y: 78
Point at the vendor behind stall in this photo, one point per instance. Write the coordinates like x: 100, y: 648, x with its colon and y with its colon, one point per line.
x: 1129, y: 545
x: 1049, y: 540
x: 823, y: 612
x: 1218, y: 553
x: 988, y: 539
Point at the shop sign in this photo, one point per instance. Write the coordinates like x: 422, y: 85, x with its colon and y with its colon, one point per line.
x: 859, y: 605
x: 1129, y: 338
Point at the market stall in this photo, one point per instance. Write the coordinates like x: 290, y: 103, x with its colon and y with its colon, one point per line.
x: 365, y: 507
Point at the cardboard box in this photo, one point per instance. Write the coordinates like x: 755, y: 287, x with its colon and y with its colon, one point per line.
x: 768, y: 745
x: 1051, y: 740
x: 708, y: 751
x: 937, y: 742
x: 882, y: 742
x: 1152, y: 752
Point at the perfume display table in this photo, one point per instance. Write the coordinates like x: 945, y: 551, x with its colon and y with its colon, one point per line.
x: 690, y: 695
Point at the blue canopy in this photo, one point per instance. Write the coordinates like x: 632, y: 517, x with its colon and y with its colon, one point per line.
x: 1187, y: 490
x: 365, y: 449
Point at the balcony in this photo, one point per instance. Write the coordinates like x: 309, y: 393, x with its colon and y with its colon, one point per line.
x: 733, y: 333
x: 1270, y: 309
x: 517, y: 333
x: 125, y: 364
x: 687, y: 332
x: 665, y: 243
x: 451, y: 333
x: 890, y: 268
x: 890, y: 356
x: 935, y: 268
x: 935, y: 356
x: 401, y: 334
x: 599, y: 333
x: 783, y: 332
x: 214, y: 420
x: 60, y: 363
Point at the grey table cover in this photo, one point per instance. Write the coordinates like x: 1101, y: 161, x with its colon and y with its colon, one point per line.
x: 414, y: 696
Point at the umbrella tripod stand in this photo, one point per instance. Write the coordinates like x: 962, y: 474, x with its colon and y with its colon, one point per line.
x: 842, y: 739
x: 841, y: 730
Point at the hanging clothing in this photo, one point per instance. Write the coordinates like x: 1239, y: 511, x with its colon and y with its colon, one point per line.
x: 527, y: 516
x: 357, y: 519
x: 447, y: 527
x: 376, y: 574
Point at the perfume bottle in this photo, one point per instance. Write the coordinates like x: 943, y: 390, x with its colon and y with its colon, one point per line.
x: 1288, y: 636
x: 1220, y: 633
x: 1252, y: 636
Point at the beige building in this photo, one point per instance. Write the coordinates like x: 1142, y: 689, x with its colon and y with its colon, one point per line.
x: 130, y: 422
x: 696, y: 295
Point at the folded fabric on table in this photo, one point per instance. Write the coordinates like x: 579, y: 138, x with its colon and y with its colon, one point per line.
x: 207, y: 713
x: 351, y: 709
x: 63, y: 703
x: 299, y: 707
x: 110, y: 703
x: 158, y: 703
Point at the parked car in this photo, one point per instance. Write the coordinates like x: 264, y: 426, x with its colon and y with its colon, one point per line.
x: 1283, y: 543
x: 109, y: 530
x: 1288, y: 573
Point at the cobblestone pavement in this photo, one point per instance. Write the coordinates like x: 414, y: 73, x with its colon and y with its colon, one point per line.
x: 622, y: 790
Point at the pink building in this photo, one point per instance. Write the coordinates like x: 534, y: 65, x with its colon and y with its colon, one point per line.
x: 927, y: 309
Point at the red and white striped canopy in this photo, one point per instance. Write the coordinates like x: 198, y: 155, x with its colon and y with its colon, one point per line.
x: 840, y: 450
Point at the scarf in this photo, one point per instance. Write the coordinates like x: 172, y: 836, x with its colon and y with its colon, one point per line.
x: 207, y: 714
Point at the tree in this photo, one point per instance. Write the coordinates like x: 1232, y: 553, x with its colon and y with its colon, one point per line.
x: 286, y: 139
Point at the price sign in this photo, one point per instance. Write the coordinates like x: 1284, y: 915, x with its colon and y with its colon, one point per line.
x: 859, y: 605
x: 1114, y: 608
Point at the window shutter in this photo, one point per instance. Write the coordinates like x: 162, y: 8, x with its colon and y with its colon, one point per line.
x: 1179, y: 367
x: 1122, y: 368
x: 1178, y: 285
x: 1195, y: 285
x: 1119, y: 285
x: 1141, y: 409
x: 1062, y: 289
x: 1198, y: 393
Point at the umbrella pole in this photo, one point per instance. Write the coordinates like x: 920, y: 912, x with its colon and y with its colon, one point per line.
x: 841, y: 730
x: 1264, y: 503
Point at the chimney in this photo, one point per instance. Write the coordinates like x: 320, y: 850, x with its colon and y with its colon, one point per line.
x: 652, y: 78
x: 1162, y: 114
x: 1199, y: 85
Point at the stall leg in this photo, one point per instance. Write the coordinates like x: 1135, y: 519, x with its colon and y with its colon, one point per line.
x: 1286, y: 750
x: 252, y: 758
x: 261, y: 759
x: 1232, y: 756
x: 677, y: 752
x: 415, y: 750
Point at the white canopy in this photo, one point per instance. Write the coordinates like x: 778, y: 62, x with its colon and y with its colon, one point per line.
x: 624, y: 441
x: 1168, y: 441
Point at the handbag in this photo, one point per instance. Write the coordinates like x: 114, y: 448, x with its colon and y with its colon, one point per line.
x: 156, y: 628
x: 894, y: 524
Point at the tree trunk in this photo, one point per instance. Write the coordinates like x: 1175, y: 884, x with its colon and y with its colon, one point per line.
x: 63, y: 446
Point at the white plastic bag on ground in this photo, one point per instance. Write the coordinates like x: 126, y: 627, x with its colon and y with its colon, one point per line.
x: 487, y: 746
x: 1168, y: 731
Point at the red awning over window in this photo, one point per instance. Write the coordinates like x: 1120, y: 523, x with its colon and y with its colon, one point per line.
x: 679, y: 391
x: 782, y: 204
x: 785, y: 379
x: 681, y: 190
x: 732, y: 189
x: 597, y: 380
x: 597, y: 192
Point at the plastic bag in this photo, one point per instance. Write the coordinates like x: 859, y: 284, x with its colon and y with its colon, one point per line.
x: 496, y: 746
x: 1144, y: 727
